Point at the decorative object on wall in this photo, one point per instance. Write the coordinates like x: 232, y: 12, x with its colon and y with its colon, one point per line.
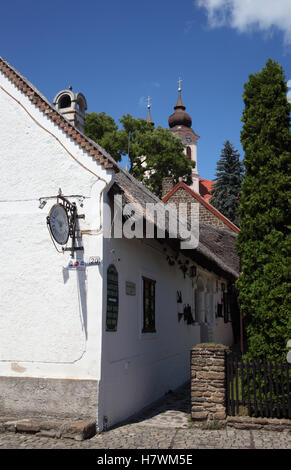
x: 219, y: 311
x: 184, y: 269
x: 188, y: 314
x: 179, y: 297
x: 170, y: 260
x: 193, y: 271
x: 112, y: 299
x: 61, y: 223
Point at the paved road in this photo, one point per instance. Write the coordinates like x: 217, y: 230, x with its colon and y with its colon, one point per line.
x: 165, y: 426
x: 136, y: 436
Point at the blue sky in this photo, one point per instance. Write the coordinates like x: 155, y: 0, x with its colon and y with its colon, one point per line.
x: 119, y: 52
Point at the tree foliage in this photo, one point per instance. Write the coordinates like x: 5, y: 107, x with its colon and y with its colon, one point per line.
x: 225, y: 195
x: 264, y: 241
x: 154, y: 153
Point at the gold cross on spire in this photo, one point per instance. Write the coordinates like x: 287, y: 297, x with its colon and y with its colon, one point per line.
x: 149, y: 102
x: 180, y: 81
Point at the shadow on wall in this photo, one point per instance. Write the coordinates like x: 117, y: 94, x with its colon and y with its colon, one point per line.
x: 81, y: 283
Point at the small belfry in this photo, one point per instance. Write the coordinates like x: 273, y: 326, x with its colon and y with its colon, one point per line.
x: 72, y: 106
x: 180, y: 124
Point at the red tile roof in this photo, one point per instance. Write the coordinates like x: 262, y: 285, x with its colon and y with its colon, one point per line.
x: 205, y: 186
x: 93, y: 149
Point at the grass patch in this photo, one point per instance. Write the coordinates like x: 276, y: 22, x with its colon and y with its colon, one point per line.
x: 213, y: 425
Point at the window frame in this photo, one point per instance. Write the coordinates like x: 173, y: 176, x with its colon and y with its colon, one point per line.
x: 152, y: 301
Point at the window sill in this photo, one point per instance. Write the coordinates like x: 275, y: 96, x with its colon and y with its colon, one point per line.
x: 148, y: 335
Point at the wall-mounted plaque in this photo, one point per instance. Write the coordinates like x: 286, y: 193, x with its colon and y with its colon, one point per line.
x: 130, y: 288
x: 112, y: 299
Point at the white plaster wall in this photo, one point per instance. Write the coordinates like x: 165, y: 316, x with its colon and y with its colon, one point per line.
x: 137, y: 368
x: 50, y: 317
x: 140, y: 368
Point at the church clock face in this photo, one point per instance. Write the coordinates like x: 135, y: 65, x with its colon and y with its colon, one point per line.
x: 189, y: 139
x: 59, y: 224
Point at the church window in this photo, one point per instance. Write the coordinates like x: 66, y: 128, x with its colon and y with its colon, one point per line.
x: 188, y: 153
x: 112, y: 299
x: 149, y: 301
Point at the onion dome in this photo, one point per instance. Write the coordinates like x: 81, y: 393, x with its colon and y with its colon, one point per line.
x: 180, y: 117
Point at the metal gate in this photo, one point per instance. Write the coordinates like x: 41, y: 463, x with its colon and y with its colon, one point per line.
x: 258, y: 388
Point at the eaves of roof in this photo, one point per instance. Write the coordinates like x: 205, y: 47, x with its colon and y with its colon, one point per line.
x: 210, y: 251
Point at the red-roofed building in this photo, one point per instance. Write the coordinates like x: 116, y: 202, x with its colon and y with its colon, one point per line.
x: 205, y: 186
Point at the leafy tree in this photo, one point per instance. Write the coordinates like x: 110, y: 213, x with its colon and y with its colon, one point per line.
x: 264, y: 241
x: 102, y: 129
x: 226, y: 191
x: 154, y: 153
x: 97, y: 125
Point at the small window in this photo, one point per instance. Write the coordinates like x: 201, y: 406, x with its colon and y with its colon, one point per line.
x: 149, y: 301
x: 188, y: 153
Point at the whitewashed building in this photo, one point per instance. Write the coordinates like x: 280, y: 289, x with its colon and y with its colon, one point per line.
x: 108, y: 331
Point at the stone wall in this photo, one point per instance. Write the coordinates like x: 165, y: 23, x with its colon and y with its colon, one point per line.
x: 31, y: 396
x: 205, y: 215
x: 208, y: 392
x: 167, y: 185
x: 208, y: 382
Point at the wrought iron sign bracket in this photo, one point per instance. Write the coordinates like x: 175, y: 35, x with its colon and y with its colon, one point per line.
x: 71, y: 211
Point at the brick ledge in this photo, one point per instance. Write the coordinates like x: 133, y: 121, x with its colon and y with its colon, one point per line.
x: 247, y: 422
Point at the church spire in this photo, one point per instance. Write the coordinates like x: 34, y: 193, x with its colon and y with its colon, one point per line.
x: 149, y: 118
x: 180, y: 117
x: 179, y: 104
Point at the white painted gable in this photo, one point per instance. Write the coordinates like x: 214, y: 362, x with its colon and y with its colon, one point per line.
x: 45, y: 308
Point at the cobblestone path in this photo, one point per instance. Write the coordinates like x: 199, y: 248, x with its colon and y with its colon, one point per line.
x: 165, y: 426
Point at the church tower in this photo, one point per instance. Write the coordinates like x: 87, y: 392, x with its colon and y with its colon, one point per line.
x: 180, y: 124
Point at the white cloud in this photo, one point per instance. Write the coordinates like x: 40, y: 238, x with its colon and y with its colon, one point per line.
x: 244, y: 15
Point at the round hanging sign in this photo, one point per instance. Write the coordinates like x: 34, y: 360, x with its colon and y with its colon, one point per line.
x: 59, y: 224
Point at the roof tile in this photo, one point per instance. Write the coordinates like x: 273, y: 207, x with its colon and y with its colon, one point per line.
x: 44, y: 106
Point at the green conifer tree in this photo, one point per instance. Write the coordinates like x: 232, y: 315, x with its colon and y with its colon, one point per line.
x: 264, y: 240
x: 226, y: 191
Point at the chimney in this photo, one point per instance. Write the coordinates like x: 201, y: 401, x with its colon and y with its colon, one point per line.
x: 72, y: 106
x: 167, y: 185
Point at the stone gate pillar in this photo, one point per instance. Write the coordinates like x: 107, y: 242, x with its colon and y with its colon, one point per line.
x: 208, y: 382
